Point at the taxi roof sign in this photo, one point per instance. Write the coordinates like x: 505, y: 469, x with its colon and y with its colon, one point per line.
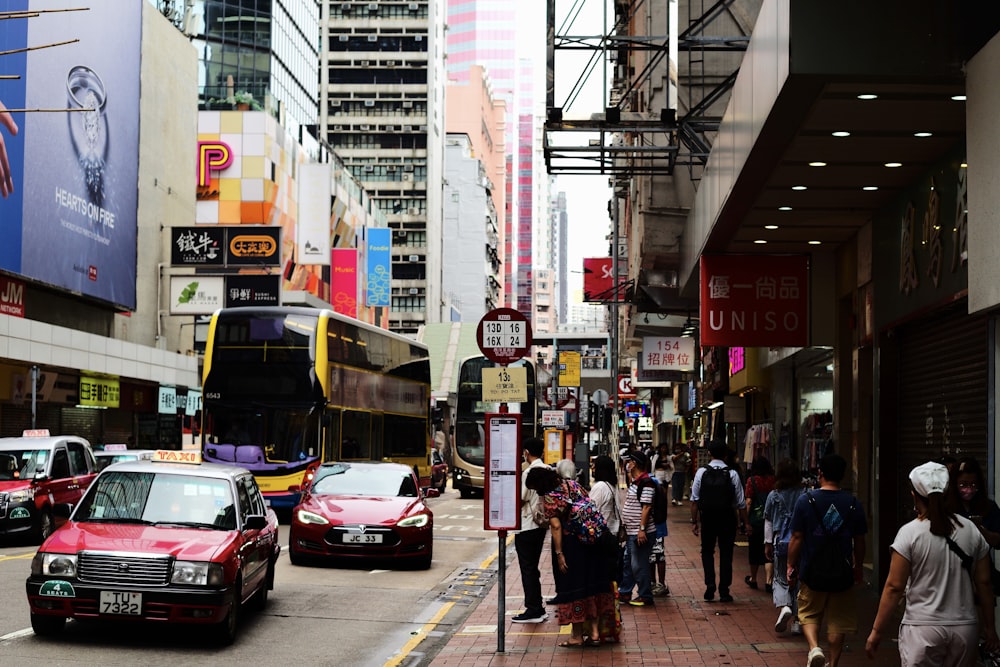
x: 177, y: 456
x: 35, y: 433
x: 116, y: 448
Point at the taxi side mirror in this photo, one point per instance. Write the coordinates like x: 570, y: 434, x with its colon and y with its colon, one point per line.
x: 255, y: 522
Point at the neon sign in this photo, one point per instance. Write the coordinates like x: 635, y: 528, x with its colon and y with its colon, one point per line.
x: 737, y: 359
x: 212, y: 156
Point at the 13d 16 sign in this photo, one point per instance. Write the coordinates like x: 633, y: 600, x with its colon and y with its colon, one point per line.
x: 755, y: 300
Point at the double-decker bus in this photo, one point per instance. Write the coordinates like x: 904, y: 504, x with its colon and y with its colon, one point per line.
x: 468, y: 455
x: 287, y: 388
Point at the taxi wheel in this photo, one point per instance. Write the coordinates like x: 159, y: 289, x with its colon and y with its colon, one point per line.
x: 230, y: 624
x: 47, y: 626
x: 260, y: 597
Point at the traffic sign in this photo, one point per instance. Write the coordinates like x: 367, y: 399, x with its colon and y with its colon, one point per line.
x: 504, y: 335
x: 625, y: 385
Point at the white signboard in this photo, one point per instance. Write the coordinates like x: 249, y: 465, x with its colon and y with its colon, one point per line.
x: 500, y: 334
x: 312, y: 235
x: 668, y: 354
x: 196, y: 295
x: 502, y: 503
x: 554, y: 418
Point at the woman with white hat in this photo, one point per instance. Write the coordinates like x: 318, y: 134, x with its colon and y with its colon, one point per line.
x: 941, y: 563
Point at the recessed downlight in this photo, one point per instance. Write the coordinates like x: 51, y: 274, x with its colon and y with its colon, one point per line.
x: 841, y: 133
x: 760, y: 242
x: 958, y: 98
x: 870, y: 188
x: 817, y: 164
x: 770, y: 226
x: 867, y: 96
x: 784, y: 208
x: 922, y: 134
x: 799, y: 187
x: 893, y: 165
x: 815, y: 242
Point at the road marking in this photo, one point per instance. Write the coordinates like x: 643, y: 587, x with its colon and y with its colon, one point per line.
x: 30, y: 554
x: 17, y: 635
x: 419, y: 636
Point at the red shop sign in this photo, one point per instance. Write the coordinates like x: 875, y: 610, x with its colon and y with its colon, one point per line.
x: 754, y: 300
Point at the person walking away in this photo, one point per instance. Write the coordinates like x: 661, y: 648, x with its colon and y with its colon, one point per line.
x: 940, y: 562
x: 662, y: 465
x: 759, y: 485
x: 777, y: 532
x: 604, y: 493
x: 827, y: 547
x: 681, y: 460
x: 658, y: 558
x: 580, y: 566
x: 529, y: 541
x: 717, y: 502
x: 637, y: 514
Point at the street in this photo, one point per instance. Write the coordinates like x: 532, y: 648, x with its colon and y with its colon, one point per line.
x: 320, y: 615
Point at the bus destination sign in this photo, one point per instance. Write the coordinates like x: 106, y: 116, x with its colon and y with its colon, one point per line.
x: 504, y: 335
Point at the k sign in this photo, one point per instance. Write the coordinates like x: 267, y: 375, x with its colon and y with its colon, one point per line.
x: 755, y: 300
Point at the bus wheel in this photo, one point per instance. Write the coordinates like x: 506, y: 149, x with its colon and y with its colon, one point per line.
x: 464, y: 492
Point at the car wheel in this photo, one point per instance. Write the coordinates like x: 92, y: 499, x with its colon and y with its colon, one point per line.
x: 295, y: 557
x: 464, y: 492
x: 46, y: 524
x: 424, y: 562
x: 260, y: 598
x: 47, y: 626
x: 230, y: 624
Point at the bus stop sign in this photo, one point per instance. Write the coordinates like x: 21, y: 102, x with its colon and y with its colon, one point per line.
x: 504, y: 335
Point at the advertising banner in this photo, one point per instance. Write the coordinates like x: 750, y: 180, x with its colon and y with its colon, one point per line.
x: 344, y: 281
x: 755, y: 300
x: 11, y: 297
x: 312, y: 234
x: 598, y: 279
x: 99, y: 392
x: 379, y: 266
x: 253, y: 246
x: 197, y: 246
x: 668, y: 354
x: 196, y: 295
x: 68, y: 208
x: 253, y: 290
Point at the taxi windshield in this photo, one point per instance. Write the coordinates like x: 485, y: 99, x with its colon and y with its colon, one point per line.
x: 159, y: 499
x: 22, y: 463
x: 342, y: 479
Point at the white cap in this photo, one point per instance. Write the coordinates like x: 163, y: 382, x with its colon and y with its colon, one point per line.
x: 929, y: 478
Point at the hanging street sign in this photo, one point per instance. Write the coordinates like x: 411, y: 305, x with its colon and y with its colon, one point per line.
x: 504, y: 335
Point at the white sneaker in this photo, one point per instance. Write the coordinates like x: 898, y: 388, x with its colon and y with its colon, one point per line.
x: 796, y: 628
x: 816, y: 658
x: 783, y: 618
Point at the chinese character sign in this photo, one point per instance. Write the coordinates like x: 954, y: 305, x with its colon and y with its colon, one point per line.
x: 668, y: 354
x: 755, y: 300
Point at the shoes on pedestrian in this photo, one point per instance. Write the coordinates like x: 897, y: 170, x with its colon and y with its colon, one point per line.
x: 725, y: 597
x: 768, y: 588
x: 709, y: 594
x: 751, y: 582
x: 816, y: 658
x: 796, y: 628
x: 641, y: 602
x: 530, y: 616
x: 553, y: 600
x: 660, y: 590
x: 783, y: 618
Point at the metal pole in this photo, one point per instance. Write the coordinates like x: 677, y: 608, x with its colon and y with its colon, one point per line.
x: 502, y: 593
x: 614, y: 324
x: 34, y: 395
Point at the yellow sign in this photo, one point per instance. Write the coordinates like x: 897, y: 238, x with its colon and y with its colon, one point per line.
x: 99, y: 392
x: 569, y: 369
x: 176, y: 456
x: 553, y: 447
x: 505, y: 384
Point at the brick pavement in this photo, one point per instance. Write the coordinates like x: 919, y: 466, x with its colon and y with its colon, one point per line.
x: 681, y: 629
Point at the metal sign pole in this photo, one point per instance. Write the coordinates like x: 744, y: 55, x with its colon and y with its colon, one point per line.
x: 502, y: 594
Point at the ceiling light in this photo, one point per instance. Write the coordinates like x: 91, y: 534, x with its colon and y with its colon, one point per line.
x: 760, y: 241
x: 770, y: 226
x: 870, y: 188
x: 841, y: 133
x: 817, y: 164
x: 799, y: 187
x: 784, y: 208
x: 893, y: 165
x: 867, y: 96
x: 964, y: 165
x: 815, y: 242
x: 958, y: 98
x: 922, y: 134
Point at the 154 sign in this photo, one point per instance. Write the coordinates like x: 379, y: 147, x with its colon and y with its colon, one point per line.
x: 668, y: 354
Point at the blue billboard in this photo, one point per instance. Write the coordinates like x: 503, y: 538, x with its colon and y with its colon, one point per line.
x: 379, y: 265
x: 70, y: 153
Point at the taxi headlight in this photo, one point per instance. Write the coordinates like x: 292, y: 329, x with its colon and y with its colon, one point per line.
x: 418, y: 521
x: 305, y: 516
x: 196, y: 573
x: 22, y: 495
x: 54, y: 565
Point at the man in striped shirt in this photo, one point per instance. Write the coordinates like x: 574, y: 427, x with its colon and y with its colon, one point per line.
x: 637, y: 515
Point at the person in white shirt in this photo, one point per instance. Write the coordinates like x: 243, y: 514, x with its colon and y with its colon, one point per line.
x: 529, y: 541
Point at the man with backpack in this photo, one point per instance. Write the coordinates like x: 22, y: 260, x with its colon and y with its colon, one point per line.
x: 826, y: 555
x: 717, y: 502
x: 637, y: 515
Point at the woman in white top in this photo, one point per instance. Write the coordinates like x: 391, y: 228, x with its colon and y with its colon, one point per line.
x: 604, y: 492
x: 940, y: 626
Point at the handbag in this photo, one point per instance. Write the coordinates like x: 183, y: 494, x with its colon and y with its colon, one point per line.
x: 622, y: 533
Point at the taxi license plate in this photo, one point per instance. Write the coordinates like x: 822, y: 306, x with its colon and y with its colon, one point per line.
x: 362, y: 538
x: 121, y: 603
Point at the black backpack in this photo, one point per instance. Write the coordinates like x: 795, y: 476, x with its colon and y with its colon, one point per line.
x: 716, y: 493
x: 829, y: 569
x: 660, y: 500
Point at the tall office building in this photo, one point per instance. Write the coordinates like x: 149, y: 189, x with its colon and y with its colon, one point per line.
x: 382, y: 111
x: 264, y: 51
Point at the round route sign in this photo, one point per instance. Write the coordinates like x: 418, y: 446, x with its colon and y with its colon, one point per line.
x: 504, y: 335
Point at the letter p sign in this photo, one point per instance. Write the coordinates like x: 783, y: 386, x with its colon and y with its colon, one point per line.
x: 212, y: 156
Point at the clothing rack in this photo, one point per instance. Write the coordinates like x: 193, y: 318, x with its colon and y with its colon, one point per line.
x: 759, y: 441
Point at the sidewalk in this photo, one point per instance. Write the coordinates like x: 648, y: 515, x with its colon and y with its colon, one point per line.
x: 682, y: 629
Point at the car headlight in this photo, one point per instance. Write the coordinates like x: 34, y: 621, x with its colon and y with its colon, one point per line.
x: 54, y: 565
x: 418, y: 521
x: 196, y: 573
x: 22, y: 495
x: 305, y: 516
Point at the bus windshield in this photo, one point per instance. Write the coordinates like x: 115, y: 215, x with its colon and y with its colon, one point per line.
x: 261, y: 434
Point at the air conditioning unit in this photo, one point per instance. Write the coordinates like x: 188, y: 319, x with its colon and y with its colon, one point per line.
x: 391, y: 167
x: 407, y: 128
x: 338, y: 128
x: 407, y: 177
x: 344, y: 38
x: 413, y: 211
x: 369, y: 167
x: 390, y: 63
x: 373, y: 6
x: 414, y: 290
x: 372, y: 38
x: 412, y: 7
x: 408, y: 104
x: 364, y: 63
x: 369, y: 103
x: 399, y: 233
x: 364, y: 128
x: 414, y: 258
x: 346, y: 8
x: 418, y: 38
x: 407, y: 167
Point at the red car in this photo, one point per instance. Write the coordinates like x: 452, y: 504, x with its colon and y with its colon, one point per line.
x: 362, y: 510
x: 186, y: 543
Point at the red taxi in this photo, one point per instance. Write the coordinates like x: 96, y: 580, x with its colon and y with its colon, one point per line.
x: 171, y: 539
x: 37, y: 471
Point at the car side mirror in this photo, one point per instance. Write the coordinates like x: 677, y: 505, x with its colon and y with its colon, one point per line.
x: 255, y: 522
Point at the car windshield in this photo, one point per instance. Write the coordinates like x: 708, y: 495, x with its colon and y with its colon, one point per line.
x: 22, y: 463
x: 104, y: 460
x: 348, y: 480
x: 159, y: 499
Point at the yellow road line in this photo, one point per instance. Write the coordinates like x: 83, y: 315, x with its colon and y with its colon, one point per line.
x: 419, y: 636
x: 30, y: 554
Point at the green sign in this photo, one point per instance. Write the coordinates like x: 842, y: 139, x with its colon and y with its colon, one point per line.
x: 57, y: 589
x: 19, y: 513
